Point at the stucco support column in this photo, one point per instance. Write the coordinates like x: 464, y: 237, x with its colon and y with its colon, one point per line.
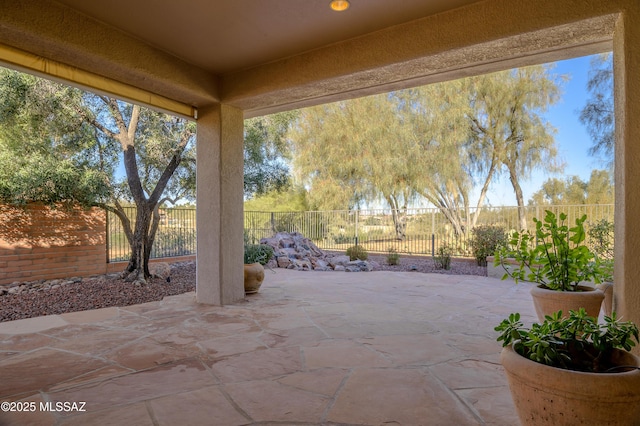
x: 627, y: 166
x: 219, y: 212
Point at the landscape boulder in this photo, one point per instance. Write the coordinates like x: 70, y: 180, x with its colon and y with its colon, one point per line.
x: 295, y: 251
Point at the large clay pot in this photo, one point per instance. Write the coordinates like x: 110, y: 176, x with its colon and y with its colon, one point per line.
x: 607, y: 304
x: 253, y: 277
x: 545, y: 395
x: 548, y: 301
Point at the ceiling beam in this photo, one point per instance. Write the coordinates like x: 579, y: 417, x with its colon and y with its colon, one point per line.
x: 479, y: 38
x: 62, y: 35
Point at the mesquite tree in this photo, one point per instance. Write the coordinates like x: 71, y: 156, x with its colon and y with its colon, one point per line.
x: 154, y: 146
x: 60, y: 144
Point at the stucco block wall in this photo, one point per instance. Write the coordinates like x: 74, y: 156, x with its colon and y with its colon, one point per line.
x: 40, y: 242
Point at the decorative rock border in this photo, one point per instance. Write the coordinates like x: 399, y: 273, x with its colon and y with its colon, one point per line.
x: 295, y: 251
x: 44, y: 285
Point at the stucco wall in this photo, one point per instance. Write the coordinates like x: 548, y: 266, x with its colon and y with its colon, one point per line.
x: 40, y: 242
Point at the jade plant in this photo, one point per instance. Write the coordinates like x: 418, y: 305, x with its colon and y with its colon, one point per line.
x: 555, y: 256
x: 577, y: 342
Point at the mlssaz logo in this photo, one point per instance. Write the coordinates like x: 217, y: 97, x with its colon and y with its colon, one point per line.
x: 64, y: 406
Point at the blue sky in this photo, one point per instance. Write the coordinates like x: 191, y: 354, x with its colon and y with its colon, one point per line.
x: 572, y: 139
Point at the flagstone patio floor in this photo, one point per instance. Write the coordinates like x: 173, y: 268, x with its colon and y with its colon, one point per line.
x: 311, y: 348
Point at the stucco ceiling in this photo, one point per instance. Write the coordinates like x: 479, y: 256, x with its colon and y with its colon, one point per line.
x: 265, y: 56
x: 223, y: 36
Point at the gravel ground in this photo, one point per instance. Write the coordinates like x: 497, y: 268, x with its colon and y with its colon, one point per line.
x: 110, y: 290
x: 426, y: 264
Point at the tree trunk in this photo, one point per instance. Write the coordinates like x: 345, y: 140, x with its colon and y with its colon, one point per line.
x: 399, y: 216
x: 519, y: 198
x: 483, y: 192
x: 400, y: 222
x: 138, y: 268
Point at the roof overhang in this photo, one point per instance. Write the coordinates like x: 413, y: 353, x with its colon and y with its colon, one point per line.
x: 477, y: 37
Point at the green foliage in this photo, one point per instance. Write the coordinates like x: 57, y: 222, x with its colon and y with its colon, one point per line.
x: 174, y: 242
x: 555, y: 256
x: 287, y: 200
x: 265, y: 152
x: 41, y: 138
x: 601, y: 239
x: 442, y: 256
x: 393, y: 258
x: 573, y: 190
x: 342, y: 239
x: 577, y: 342
x: 38, y: 178
x: 601, y: 243
x: 257, y: 253
x: 357, y: 253
x: 598, y: 114
x: 485, y: 240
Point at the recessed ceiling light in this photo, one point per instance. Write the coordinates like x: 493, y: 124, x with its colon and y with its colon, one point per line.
x: 339, y: 5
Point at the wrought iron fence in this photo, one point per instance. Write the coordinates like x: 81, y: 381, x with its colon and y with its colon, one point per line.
x: 176, y: 235
x: 416, y: 231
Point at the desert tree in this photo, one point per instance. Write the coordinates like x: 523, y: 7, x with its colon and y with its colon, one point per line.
x: 434, y: 143
x: 266, y: 153
x: 348, y: 153
x: 63, y: 145
x: 507, y: 121
x: 598, y: 114
x: 572, y: 190
x: 438, y: 136
x: 154, y: 145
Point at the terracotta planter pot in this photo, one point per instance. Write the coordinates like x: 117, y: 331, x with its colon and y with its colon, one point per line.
x: 607, y: 304
x: 546, y: 395
x: 548, y: 301
x: 253, y: 277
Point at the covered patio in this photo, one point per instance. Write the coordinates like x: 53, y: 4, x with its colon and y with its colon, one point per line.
x: 335, y: 348
x: 310, y: 348
x: 221, y: 62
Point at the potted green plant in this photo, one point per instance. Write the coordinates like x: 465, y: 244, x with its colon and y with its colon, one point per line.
x: 572, y: 370
x: 556, y: 258
x: 255, y: 257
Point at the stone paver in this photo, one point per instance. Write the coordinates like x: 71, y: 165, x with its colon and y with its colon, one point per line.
x: 311, y: 348
x: 397, y: 396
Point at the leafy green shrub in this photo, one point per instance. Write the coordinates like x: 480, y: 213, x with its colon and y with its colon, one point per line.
x: 442, y: 258
x: 601, y: 243
x: 485, y: 240
x: 35, y: 177
x: 260, y: 253
x: 342, y: 239
x: 286, y: 221
x: 393, y: 258
x: 357, y: 252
